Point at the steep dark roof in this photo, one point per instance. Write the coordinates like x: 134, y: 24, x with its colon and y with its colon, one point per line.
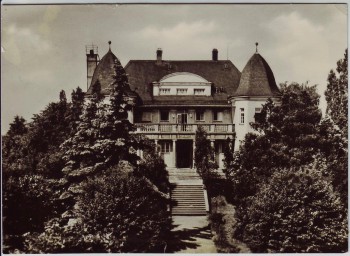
x: 105, y: 74
x: 257, y: 79
x: 223, y: 74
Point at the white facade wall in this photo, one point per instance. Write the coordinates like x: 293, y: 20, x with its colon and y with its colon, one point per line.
x: 249, y: 107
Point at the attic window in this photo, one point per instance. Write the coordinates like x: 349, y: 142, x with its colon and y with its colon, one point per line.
x: 199, y: 91
x: 219, y: 89
x: 164, y: 91
x: 181, y: 91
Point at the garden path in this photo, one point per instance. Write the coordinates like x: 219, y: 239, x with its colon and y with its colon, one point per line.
x: 191, y: 234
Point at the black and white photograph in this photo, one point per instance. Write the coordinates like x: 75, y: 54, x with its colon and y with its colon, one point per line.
x: 174, y: 128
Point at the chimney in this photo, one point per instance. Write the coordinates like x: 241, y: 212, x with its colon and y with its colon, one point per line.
x: 215, y: 54
x: 92, y: 60
x: 159, y: 56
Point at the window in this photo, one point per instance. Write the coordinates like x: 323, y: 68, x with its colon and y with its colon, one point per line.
x: 146, y: 117
x: 166, y: 146
x: 164, y: 91
x: 164, y: 116
x: 199, y: 91
x: 258, y: 116
x: 199, y: 115
x: 241, y: 115
x: 217, y: 115
x: 181, y: 91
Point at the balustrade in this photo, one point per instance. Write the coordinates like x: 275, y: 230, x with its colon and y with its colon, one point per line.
x: 187, y: 128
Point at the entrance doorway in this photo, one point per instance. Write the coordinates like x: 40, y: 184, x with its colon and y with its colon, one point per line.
x: 184, y: 153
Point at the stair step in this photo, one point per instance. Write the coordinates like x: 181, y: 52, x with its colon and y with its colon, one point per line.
x: 190, y: 203
x: 187, y: 193
x: 188, y: 199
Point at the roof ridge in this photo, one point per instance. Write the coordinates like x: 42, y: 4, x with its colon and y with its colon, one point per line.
x: 214, y: 61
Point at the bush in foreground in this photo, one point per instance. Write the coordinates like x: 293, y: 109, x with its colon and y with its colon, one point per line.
x: 296, y: 211
x: 117, y: 212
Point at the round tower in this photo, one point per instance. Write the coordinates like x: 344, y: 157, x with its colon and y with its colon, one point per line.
x: 257, y: 84
x: 105, y: 74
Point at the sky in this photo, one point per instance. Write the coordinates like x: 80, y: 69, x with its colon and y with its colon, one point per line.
x: 43, y: 46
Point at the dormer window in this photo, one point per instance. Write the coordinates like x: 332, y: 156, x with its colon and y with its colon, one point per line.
x: 181, y: 91
x: 199, y: 91
x: 164, y: 91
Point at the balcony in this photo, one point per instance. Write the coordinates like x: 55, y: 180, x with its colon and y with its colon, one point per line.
x: 183, y: 128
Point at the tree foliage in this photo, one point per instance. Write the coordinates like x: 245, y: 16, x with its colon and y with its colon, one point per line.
x: 289, y: 136
x: 337, y: 94
x: 286, y: 136
x: 110, y: 217
x: 296, y: 211
x: 78, y: 160
x: 204, y: 155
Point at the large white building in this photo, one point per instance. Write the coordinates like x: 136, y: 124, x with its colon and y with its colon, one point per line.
x: 176, y: 96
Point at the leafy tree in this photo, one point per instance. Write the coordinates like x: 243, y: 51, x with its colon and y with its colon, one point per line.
x: 204, y: 155
x: 32, y: 167
x: 110, y: 217
x: 286, y: 136
x: 228, y: 154
x: 333, y: 157
x: 296, y: 211
x: 28, y: 200
x: 289, y: 136
x: 337, y: 94
x: 152, y: 166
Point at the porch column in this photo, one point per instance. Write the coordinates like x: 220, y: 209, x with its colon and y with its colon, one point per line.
x: 212, y: 143
x: 213, y: 146
x: 174, y: 152
x: 194, y: 150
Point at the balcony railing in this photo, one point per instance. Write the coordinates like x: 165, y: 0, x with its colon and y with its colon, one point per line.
x: 185, y: 128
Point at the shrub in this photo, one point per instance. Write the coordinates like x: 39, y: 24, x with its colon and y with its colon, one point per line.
x: 223, y: 224
x: 117, y: 212
x: 296, y: 211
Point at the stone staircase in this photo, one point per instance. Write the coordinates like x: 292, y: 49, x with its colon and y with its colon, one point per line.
x: 182, y: 174
x: 187, y: 196
x: 188, y: 199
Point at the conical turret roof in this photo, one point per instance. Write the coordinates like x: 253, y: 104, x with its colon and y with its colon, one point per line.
x: 105, y: 74
x: 257, y: 79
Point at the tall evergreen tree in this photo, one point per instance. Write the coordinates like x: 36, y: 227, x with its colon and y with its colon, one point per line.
x: 101, y: 158
x: 17, y: 127
x: 76, y: 108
